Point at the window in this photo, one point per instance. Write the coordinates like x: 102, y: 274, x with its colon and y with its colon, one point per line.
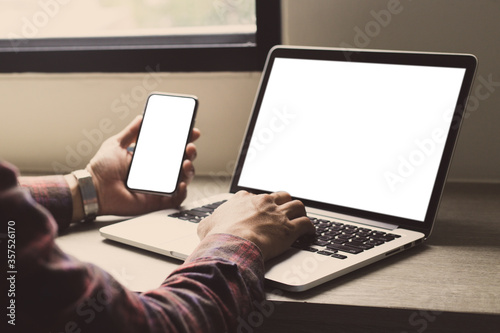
x: 132, y: 35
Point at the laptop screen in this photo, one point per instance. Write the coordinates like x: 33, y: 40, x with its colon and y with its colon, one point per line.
x: 362, y: 135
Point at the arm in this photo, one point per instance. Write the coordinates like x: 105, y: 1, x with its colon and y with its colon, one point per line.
x: 219, y: 283
x: 224, y: 277
x: 61, y: 194
x: 214, y: 290
x: 58, y: 194
x: 53, y: 193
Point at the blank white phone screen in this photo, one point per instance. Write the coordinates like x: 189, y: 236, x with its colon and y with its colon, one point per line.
x: 162, y: 140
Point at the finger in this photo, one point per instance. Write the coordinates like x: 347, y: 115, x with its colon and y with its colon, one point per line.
x: 195, y: 135
x: 180, y: 195
x: 294, y: 209
x: 242, y: 193
x: 281, y: 197
x: 303, y: 226
x: 188, y: 171
x: 129, y: 134
x: 203, y: 228
x: 191, y: 151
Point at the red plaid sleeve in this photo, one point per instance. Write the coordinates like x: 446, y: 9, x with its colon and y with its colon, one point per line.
x: 52, y: 192
x: 215, y: 290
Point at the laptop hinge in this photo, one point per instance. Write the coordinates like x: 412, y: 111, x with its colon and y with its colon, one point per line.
x: 349, y: 218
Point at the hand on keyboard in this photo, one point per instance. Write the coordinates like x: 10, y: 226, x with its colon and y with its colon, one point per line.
x: 271, y: 221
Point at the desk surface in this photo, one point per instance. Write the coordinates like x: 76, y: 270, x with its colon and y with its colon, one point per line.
x: 456, y: 270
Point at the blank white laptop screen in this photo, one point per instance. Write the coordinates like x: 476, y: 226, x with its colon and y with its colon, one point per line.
x: 360, y: 135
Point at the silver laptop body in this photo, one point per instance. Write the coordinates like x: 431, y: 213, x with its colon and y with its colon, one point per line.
x: 364, y: 138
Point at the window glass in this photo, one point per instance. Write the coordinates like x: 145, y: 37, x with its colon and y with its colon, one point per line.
x: 36, y: 19
x: 61, y: 36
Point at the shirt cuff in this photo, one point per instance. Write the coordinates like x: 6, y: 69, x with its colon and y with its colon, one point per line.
x: 53, y: 193
x: 233, y: 249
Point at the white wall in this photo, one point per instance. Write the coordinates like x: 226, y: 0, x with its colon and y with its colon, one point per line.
x: 57, y: 122
x: 46, y: 119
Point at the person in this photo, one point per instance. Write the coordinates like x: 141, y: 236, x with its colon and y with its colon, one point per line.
x: 216, y: 288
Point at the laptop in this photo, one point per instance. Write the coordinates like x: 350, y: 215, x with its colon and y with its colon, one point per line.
x: 363, y: 137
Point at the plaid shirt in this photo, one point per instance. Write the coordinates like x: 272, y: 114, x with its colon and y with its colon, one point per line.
x: 215, y: 290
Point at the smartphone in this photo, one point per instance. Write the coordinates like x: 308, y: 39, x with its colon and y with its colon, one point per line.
x: 165, y: 131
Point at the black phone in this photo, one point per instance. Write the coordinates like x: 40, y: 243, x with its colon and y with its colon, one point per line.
x: 165, y: 131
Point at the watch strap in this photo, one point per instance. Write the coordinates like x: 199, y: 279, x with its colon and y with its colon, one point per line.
x: 89, y: 194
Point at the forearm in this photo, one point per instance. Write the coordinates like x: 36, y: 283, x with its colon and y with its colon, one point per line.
x: 60, y: 195
x: 55, y: 195
x: 215, y: 287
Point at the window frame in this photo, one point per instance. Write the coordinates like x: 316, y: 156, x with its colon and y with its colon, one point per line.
x: 190, y: 53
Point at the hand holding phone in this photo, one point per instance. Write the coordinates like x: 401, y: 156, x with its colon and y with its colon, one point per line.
x: 165, y: 131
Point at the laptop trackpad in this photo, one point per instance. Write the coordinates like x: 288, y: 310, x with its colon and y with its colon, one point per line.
x: 153, y: 229
x: 183, y: 246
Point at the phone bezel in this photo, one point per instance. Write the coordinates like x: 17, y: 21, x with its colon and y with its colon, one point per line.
x: 188, y: 139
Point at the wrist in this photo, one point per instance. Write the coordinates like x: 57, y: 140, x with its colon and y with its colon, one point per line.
x: 76, y: 198
x: 83, y: 193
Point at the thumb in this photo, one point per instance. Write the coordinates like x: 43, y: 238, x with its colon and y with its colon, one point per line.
x: 129, y: 134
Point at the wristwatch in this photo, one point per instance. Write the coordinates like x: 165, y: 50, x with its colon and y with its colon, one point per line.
x: 89, y: 194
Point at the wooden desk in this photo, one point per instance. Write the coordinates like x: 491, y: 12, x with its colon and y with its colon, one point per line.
x: 449, y: 284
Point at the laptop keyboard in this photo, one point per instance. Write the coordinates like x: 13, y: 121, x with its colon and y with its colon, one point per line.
x: 195, y: 215
x: 334, y: 239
